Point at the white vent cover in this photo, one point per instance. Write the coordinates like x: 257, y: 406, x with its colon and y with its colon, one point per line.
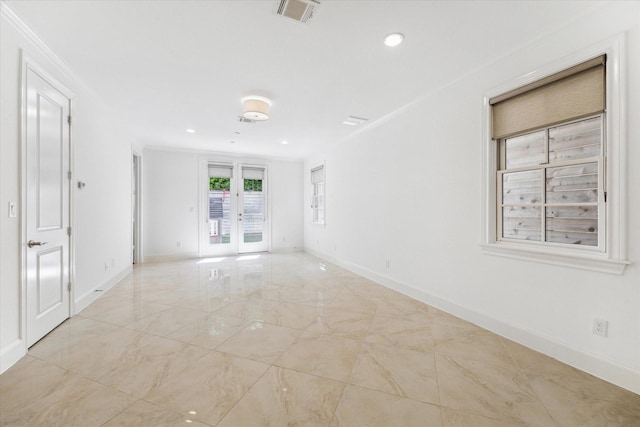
x: 298, y: 10
x: 243, y: 119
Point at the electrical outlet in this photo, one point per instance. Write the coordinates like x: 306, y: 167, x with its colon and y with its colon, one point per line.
x: 600, y: 327
x: 388, y: 264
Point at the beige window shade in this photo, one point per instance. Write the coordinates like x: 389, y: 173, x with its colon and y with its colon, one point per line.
x: 570, y: 94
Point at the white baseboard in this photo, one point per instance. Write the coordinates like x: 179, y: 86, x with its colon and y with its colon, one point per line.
x: 11, y: 354
x: 285, y: 250
x: 170, y: 257
x: 83, y: 301
x: 604, y: 369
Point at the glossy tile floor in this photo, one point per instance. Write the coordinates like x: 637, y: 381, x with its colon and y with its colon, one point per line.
x: 288, y: 340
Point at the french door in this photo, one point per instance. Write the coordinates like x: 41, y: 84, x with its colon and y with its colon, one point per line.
x: 235, y: 209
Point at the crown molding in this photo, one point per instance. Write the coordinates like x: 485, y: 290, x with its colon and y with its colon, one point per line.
x: 12, y: 18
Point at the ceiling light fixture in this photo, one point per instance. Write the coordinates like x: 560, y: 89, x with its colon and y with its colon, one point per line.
x: 191, y: 131
x: 256, y: 108
x: 285, y: 142
x: 393, y: 39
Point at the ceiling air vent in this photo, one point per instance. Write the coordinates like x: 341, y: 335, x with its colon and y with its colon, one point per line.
x: 243, y: 119
x: 298, y: 10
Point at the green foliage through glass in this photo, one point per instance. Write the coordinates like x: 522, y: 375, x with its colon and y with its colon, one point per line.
x: 252, y: 185
x: 219, y: 184
x: 224, y: 184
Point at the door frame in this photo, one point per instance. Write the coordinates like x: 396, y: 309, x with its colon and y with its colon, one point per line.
x: 136, y: 205
x: 240, y: 201
x: 203, y: 205
x: 28, y: 63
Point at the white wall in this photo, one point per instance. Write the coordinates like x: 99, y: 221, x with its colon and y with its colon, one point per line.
x: 434, y: 149
x: 102, y: 211
x: 171, y: 202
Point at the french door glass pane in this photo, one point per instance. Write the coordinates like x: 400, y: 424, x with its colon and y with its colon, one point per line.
x: 253, y: 211
x: 219, y: 210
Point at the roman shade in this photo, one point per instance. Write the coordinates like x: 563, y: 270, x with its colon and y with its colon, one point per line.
x: 574, y: 93
x: 220, y: 171
x: 317, y: 175
x: 252, y: 173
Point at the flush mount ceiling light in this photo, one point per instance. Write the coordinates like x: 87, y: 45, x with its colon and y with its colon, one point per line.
x: 256, y: 108
x: 285, y: 142
x: 354, y: 121
x: 191, y: 131
x: 393, y: 39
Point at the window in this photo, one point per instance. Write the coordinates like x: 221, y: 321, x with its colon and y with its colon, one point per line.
x: 550, y: 187
x: 554, y: 166
x: 317, y: 195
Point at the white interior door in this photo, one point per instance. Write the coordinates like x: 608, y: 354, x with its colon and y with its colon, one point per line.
x: 47, y: 207
x: 253, y: 229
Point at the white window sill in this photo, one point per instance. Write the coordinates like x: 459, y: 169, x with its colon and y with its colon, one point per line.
x: 584, y: 261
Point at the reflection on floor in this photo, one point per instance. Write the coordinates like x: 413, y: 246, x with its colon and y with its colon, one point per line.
x: 288, y: 340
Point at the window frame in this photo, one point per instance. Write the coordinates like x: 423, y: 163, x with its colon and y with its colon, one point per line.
x: 611, y: 256
x: 318, y: 201
x: 600, y: 204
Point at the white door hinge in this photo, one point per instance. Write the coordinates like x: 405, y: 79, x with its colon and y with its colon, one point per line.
x: 69, y: 120
x: 68, y: 286
x: 69, y: 175
x: 69, y: 231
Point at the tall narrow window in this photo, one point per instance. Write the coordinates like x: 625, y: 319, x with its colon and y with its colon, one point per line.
x: 317, y: 194
x: 220, y: 203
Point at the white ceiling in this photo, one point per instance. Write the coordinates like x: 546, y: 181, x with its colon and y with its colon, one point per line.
x: 166, y: 66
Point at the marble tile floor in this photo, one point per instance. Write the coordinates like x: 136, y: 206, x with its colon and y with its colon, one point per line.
x: 289, y: 340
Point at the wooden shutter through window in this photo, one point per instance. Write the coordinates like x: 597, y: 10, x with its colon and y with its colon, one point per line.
x: 576, y: 92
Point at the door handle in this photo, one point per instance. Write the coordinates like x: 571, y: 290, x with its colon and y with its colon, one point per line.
x: 31, y: 243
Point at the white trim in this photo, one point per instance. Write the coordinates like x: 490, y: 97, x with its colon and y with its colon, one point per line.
x: 85, y: 300
x: 11, y: 354
x: 614, y: 259
x: 317, y: 166
x: 136, y: 207
x: 602, y: 368
x: 24, y: 30
x: 173, y: 257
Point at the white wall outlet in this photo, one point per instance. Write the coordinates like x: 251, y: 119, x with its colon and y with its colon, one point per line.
x: 600, y: 327
x: 178, y: 243
x: 13, y: 210
x: 388, y: 264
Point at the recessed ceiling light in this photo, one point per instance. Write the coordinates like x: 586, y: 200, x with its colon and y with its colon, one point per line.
x: 191, y: 131
x: 285, y: 142
x: 393, y: 39
x: 354, y: 121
